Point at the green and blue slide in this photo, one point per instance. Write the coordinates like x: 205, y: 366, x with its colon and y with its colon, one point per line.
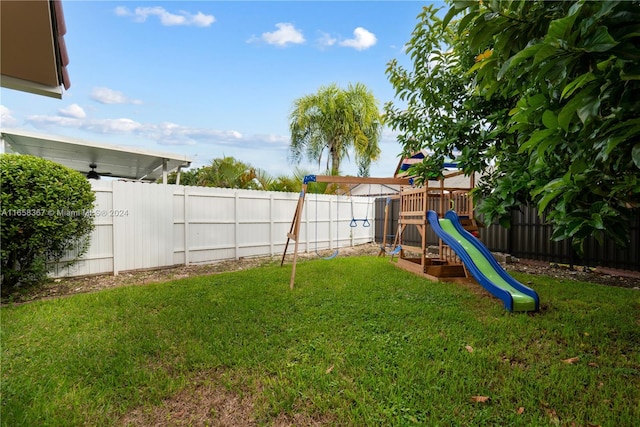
x: 480, y: 263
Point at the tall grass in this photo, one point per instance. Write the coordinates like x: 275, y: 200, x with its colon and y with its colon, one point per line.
x: 357, y: 342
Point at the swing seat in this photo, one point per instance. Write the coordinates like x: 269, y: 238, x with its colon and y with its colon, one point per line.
x: 332, y: 256
x: 396, y: 251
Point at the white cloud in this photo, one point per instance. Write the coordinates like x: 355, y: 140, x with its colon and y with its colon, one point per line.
x: 122, y: 11
x: 43, y: 121
x: 257, y: 149
x: 162, y: 133
x: 175, y: 134
x: 362, y: 39
x: 285, y: 34
x: 140, y: 14
x: 120, y: 126
x: 105, y: 95
x: 6, y: 119
x: 202, y: 20
x: 325, y: 40
x: 272, y: 140
x: 73, y: 111
x: 103, y: 126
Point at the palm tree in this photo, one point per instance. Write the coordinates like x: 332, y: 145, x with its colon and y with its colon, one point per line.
x: 336, y: 120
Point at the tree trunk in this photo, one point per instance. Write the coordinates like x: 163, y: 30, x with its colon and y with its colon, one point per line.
x: 335, y: 158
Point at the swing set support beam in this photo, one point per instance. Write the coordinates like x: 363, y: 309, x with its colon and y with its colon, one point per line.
x: 357, y: 180
x: 294, y: 231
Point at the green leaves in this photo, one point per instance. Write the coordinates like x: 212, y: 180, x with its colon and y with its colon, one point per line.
x: 46, y: 212
x: 519, y: 58
x: 582, y: 99
x: 635, y: 154
x: 599, y: 41
x: 536, y: 138
x: 437, y: 110
x: 576, y: 84
x: 560, y: 29
x: 549, y: 192
x: 547, y: 93
x: 549, y: 119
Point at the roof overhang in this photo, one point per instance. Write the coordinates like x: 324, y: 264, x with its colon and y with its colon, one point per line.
x: 111, y: 160
x: 33, y: 54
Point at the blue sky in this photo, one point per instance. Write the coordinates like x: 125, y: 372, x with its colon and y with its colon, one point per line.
x: 211, y: 79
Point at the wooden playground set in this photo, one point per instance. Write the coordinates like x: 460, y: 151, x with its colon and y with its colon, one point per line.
x: 448, y: 210
x: 414, y: 205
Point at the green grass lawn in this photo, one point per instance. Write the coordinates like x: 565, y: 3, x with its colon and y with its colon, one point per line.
x: 357, y: 342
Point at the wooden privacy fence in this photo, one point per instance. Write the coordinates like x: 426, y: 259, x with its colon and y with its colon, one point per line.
x: 529, y: 238
x: 145, y: 226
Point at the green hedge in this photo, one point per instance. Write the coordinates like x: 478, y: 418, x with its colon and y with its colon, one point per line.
x: 46, y: 211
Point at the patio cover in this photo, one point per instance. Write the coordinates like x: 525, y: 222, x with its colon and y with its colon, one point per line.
x: 111, y: 160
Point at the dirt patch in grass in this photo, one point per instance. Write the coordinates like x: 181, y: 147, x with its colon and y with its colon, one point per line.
x: 205, y: 401
x: 202, y: 403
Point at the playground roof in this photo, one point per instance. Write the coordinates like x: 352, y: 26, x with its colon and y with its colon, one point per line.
x: 406, y: 163
x: 453, y: 177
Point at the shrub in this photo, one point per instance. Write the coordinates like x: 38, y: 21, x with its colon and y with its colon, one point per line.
x: 46, y: 212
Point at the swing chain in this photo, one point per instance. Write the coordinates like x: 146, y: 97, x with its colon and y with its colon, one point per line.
x: 354, y: 220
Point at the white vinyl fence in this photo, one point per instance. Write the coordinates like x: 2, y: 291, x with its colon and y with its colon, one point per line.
x: 146, y: 226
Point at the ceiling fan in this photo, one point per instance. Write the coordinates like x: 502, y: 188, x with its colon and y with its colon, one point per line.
x: 92, y: 174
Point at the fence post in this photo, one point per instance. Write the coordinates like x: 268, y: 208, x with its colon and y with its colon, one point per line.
x: 236, y: 230
x: 572, y: 255
x: 351, y: 229
x: 331, y: 227
x: 306, y: 227
x: 271, y: 224
x: 187, y: 220
x: 510, y: 233
x: 371, y: 207
x: 114, y: 234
